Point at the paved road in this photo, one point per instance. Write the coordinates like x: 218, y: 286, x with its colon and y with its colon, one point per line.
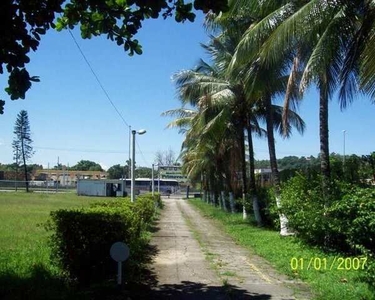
x: 196, y: 260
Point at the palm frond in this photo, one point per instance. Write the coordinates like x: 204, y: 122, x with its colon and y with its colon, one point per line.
x: 291, y: 90
x: 255, y: 36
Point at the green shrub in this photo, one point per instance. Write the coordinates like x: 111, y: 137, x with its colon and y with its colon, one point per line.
x: 345, y: 223
x: 369, y: 275
x: 145, y: 207
x: 303, y: 204
x: 354, y: 217
x: 268, y: 209
x: 82, y: 237
x: 157, y: 199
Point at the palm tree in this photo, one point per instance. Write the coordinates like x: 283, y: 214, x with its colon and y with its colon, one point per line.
x: 208, y: 125
x: 333, y: 41
x: 224, y: 97
x: 262, y: 82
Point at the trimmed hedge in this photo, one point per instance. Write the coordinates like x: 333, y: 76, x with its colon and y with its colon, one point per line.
x: 82, y: 237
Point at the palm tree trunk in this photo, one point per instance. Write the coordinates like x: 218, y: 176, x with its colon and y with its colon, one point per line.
x: 229, y: 187
x: 244, y: 179
x: 219, y: 200
x: 221, y: 183
x: 324, y: 141
x: 223, y: 201
x: 231, y: 202
x: 252, y: 185
x: 273, y: 161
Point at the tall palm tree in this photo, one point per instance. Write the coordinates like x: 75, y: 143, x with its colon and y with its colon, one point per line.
x: 263, y: 82
x: 334, y: 42
x: 224, y: 97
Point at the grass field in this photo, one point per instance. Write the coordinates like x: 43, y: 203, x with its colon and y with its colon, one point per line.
x: 327, y: 283
x: 25, y: 269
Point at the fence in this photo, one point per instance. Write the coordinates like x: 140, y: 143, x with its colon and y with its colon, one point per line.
x: 37, y: 186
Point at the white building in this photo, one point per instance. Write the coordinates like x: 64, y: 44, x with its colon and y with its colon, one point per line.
x: 100, y: 188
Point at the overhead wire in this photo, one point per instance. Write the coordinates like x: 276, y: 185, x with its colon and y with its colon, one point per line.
x: 85, y: 150
x: 97, y: 78
x: 103, y: 89
x: 139, y: 148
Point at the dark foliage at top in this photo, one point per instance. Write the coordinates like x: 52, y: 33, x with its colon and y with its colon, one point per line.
x: 23, y: 22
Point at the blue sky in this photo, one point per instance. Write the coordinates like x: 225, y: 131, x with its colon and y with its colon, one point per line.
x: 71, y: 118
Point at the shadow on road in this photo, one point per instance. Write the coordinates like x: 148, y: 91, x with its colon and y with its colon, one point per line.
x: 187, y: 290
x: 146, y: 286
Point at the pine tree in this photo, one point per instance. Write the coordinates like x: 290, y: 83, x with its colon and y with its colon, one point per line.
x: 22, y: 143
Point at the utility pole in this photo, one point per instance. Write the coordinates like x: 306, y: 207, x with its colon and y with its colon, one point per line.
x: 158, y: 178
x: 57, y: 172
x: 152, y: 177
x: 47, y: 177
x: 130, y: 134
x: 15, y: 181
x: 67, y: 177
x: 132, y: 186
x: 343, y: 159
x: 132, y: 183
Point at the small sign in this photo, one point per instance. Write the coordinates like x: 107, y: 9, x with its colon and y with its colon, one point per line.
x: 119, y: 252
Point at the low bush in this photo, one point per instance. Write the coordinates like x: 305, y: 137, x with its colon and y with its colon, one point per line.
x: 157, y: 200
x: 345, y: 223
x: 82, y: 237
x: 354, y: 217
x: 268, y: 209
x: 303, y: 204
x: 144, y: 206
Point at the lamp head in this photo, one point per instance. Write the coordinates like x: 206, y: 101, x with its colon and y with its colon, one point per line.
x: 141, y: 131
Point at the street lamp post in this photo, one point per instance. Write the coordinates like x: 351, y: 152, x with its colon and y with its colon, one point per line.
x: 158, y: 178
x: 142, y: 131
x: 129, y: 167
x: 343, y: 159
x: 152, y: 182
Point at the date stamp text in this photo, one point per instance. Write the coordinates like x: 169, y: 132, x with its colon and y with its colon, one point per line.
x: 322, y: 264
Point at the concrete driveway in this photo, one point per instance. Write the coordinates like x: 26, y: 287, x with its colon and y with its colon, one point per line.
x: 196, y: 260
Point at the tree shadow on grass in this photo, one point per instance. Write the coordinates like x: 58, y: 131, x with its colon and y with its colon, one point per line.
x: 39, y: 284
x: 141, y: 284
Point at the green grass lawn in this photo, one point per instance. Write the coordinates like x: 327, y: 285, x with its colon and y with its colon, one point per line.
x: 329, y: 284
x: 24, y: 250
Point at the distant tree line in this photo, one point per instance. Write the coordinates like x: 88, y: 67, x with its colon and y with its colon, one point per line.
x: 117, y: 171
x: 290, y: 162
x: 354, y: 169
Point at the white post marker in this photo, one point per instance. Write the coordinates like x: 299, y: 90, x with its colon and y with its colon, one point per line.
x: 119, y: 252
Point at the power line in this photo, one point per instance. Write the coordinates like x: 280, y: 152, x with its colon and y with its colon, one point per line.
x: 97, y: 78
x: 79, y: 150
x: 139, y: 148
x: 105, y: 92
x: 106, y: 151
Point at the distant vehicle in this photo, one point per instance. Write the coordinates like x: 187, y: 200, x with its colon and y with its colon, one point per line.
x: 144, y: 185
